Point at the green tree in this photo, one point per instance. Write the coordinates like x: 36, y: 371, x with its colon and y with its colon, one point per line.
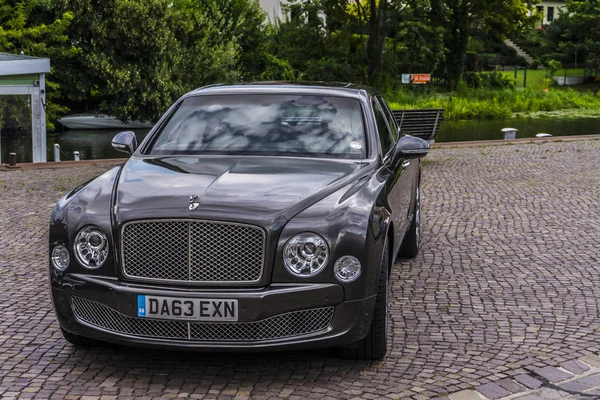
x: 459, y: 17
x: 577, y: 31
x: 138, y: 57
x: 246, y: 21
x: 358, y: 40
x: 30, y: 28
x: 417, y: 44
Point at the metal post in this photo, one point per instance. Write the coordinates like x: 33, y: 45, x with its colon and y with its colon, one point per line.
x: 76, y: 155
x: 510, y: 133
x: 516, y: 69
x: 57, y: 152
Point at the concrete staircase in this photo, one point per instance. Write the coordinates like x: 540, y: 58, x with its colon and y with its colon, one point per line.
x: 519, y: 51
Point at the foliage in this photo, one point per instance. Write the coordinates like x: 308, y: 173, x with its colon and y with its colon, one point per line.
x: 140, y: 56
x: 134, y: 58
x: 357, y: 40
x: 489, y: 16
x: 495, y: 104
x: 488, y: 80
x: 245, y: 22
x: 553, y: 66
x: 25, y: 28
x: 577, y: 31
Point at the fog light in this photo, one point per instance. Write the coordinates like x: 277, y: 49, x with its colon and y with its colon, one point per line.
x: 60, y: 257
x: 347, y: 269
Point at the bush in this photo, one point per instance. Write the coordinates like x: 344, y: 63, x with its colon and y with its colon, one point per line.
x: 276, y: 69
x: 482, y: 103
x: 488, y: 80
x: 472, y: 61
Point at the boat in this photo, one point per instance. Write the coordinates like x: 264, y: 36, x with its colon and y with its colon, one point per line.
x: 100, y: 121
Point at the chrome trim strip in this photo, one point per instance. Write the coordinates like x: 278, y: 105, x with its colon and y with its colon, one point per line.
x: 189, y: 282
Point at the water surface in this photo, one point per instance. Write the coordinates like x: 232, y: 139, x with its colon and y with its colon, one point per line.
x: 457, y: 131
x: 96, y: 144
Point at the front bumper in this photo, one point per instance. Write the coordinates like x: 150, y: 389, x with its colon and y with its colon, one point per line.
x: 279, y: 316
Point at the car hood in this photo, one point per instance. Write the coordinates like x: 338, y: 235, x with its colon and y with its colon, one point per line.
x: 252, y: 189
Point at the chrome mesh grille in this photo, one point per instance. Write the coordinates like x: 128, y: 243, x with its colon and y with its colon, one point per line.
x: 105, y: 317
x: 280, y: 326
x: 290, y: 324
x: 193, y: 251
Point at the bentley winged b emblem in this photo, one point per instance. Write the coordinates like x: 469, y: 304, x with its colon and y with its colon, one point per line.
x: 193, y: 203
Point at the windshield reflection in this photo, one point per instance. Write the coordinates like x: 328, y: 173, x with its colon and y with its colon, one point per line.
x: 264, y: 124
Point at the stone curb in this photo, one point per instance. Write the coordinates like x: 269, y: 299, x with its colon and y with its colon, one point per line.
x: 500, y: 142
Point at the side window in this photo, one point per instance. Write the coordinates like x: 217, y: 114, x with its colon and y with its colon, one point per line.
x: 383, y: 129
x: 390, y: 117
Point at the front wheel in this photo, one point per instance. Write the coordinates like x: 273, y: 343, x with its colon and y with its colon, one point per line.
x: 410, y: 245
x: 374, y: 345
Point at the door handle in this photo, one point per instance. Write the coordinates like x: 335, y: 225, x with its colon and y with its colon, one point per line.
x: 405, y: 163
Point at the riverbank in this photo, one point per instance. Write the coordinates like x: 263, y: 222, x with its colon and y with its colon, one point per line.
x: 496, y: 104
x: 107, y: 163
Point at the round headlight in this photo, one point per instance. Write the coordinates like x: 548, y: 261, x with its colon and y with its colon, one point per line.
x: 91, y: 247
x: 347, y: 268
x: 60, y: 257
x: 305, y: 254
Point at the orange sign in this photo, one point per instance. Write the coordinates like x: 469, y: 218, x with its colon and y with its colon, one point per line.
x: 421, y: 78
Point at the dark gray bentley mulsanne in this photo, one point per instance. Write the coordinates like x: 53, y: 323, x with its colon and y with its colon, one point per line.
x: 256, y: 216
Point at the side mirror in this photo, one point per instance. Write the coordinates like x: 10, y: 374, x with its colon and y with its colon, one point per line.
x: 411, y: 147
x: 125, y: 142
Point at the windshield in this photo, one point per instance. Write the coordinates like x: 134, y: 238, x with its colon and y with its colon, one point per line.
x: 298, y: 125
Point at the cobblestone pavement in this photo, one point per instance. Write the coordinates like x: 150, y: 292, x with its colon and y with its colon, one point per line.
x: 507, y: 285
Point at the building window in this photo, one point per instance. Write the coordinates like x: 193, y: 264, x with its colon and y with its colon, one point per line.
x: 550, y: 14
x: 540, y: 9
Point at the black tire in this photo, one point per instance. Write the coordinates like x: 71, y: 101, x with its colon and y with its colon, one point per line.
x: 374, y: 345
x: 79, y: 341
x: 410, y: 244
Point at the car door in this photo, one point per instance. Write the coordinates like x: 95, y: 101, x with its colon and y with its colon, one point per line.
x: 399, y: 188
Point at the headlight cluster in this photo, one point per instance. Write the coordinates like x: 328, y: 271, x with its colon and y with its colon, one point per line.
x: 91, y: 247
x: 91, y: 250
x: 305, y: 254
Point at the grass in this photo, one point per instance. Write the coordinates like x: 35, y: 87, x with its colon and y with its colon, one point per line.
x: 468, y: 104
x: 536, y: 77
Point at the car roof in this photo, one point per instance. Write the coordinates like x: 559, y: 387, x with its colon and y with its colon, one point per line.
x: 324, y: 88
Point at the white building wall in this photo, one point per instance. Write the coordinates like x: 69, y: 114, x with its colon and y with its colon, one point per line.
x: 557, y: 5
x: 273, y: 9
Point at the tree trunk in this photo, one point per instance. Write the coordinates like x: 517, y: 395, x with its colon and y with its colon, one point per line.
x: 375, y: 45
x: 457, y: 38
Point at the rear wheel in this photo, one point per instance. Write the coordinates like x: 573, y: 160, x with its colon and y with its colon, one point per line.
x: 374, y: 345
x: 79, y: 341
x: 410, y: 245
